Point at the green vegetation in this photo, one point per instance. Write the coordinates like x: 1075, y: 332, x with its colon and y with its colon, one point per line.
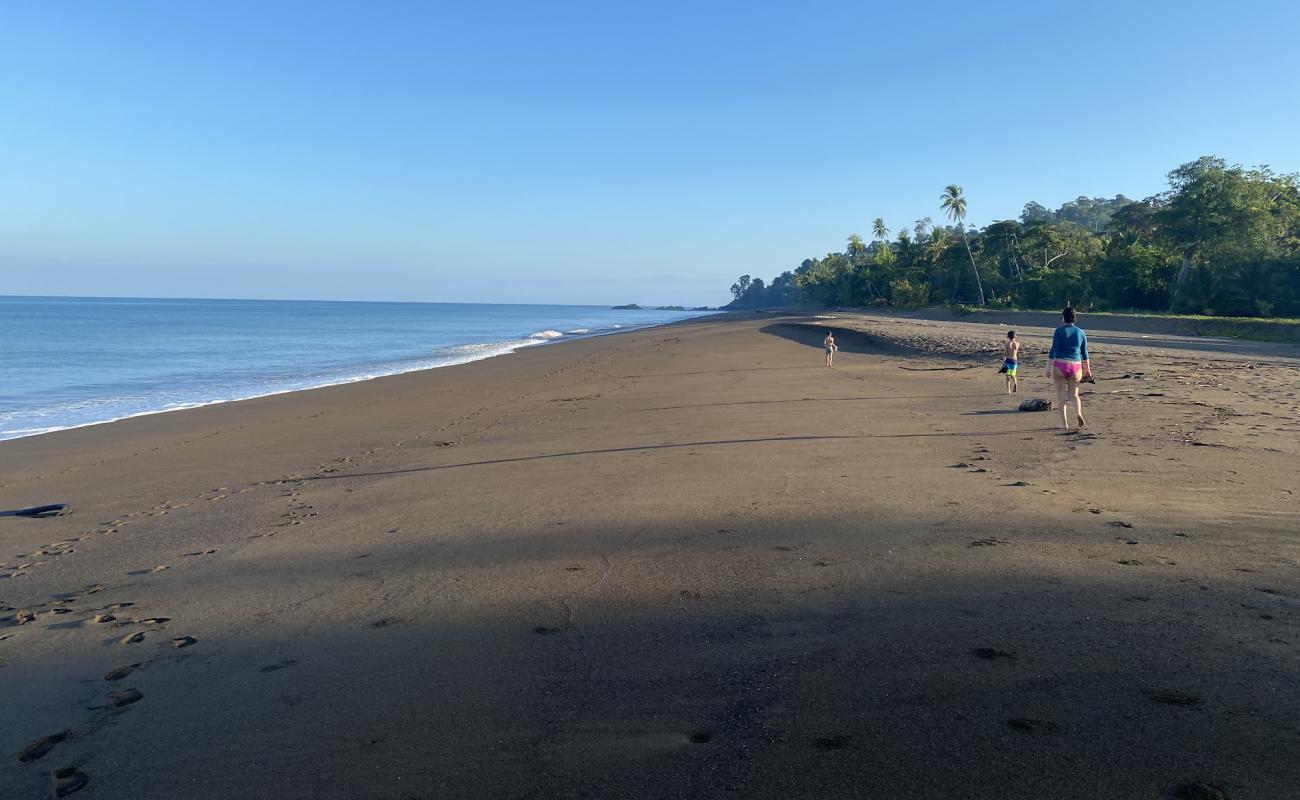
x: 1223, y: 240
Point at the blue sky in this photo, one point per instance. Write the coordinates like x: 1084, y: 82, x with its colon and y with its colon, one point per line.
x: 585, y: 151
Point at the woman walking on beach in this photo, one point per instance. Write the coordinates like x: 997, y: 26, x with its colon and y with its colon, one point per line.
x: 1067, y: 366
x: 830, y: 347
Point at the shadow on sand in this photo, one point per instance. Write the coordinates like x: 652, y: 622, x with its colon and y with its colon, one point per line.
x: 667, y: 446
x: 623, y: 664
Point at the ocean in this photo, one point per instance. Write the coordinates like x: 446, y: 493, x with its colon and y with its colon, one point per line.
x: 73, y: 361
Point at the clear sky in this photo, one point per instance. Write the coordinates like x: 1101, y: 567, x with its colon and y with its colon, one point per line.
x: 600, y: 152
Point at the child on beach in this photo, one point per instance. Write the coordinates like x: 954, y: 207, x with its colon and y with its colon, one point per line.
x: 830, y: 347
x: 1010, y: 354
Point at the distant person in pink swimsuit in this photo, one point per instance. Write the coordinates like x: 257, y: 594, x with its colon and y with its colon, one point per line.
x: 1067, y: 366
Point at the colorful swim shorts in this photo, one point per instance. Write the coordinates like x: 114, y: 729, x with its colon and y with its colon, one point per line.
x: 1009, y: 366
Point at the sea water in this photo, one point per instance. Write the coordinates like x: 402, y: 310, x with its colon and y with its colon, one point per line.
x: 77, y: 361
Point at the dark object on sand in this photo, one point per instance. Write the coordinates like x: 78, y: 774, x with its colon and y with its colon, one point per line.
x: 1088, y: 379
x: 1003, y: 371
x: 42, y: 746
x: 68, y: 780
x: 53, y: 510
x: 1200, y: 791
x: 1036, y: 404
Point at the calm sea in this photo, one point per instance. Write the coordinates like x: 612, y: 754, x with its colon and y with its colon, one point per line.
x: 77, y: 361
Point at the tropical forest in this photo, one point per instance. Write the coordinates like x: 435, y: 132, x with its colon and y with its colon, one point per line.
x: 1222, y: 240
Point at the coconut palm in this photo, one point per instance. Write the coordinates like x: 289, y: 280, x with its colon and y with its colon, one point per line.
x: 884, y: 256
x: 856, y: 248
x: 953, y: 203
x: 857, y: 252
x: 920, y: 229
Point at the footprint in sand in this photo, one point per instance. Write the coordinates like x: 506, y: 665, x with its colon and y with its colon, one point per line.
x: 992, y: 654
x: 542, y: 630
x: 199, y: 553
x: 41, y: 746
x: 183, y: 641
x: 1038, y: 726
x: 989, y: 542
x: 840, y: 741
x: 132, y: 638
x: 125, y: 697
x: 789, y: 548
x: 387, y: 621
x: 1197, y: 790
x: 68, y: 780
x: 120, y: 673
x: 285, y: 664
x: 1172, y: 697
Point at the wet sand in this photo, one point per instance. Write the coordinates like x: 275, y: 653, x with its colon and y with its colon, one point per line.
x: 684, y: 562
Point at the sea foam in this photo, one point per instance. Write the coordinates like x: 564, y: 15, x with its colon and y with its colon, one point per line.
x: 91, y: 360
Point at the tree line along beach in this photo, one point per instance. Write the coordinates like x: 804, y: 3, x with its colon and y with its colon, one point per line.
x: 1222, y: 240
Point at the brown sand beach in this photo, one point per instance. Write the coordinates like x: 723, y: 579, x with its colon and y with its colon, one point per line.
x: 677, y: 563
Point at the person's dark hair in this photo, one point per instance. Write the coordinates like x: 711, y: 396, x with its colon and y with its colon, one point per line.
x: 1011, y: 334
x: 1068, y: 314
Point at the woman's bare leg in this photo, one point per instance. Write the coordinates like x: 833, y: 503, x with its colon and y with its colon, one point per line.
x: 1078, y: 404
x: 1062, y: 396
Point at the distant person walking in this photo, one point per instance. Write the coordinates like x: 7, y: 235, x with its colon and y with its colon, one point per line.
x: 829, y: 342
x: 1010, y: 361
x: 1067, y: 366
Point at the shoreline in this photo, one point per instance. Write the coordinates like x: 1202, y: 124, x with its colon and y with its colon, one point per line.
x: 564, y: 337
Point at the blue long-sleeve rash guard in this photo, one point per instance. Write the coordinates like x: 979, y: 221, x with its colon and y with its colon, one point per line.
x: 1069, y: 343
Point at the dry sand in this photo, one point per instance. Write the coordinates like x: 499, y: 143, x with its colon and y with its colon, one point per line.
x: 685, y: 562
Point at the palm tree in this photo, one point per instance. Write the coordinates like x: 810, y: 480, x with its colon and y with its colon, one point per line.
x: 935, y: 246
x: 856, y: 248
x: 921, y: 228
x: 884, y: 256
x: 953, y: 203
x: 857, y: 252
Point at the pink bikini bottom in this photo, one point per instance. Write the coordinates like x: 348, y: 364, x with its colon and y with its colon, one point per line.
x: 1068, y: 369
